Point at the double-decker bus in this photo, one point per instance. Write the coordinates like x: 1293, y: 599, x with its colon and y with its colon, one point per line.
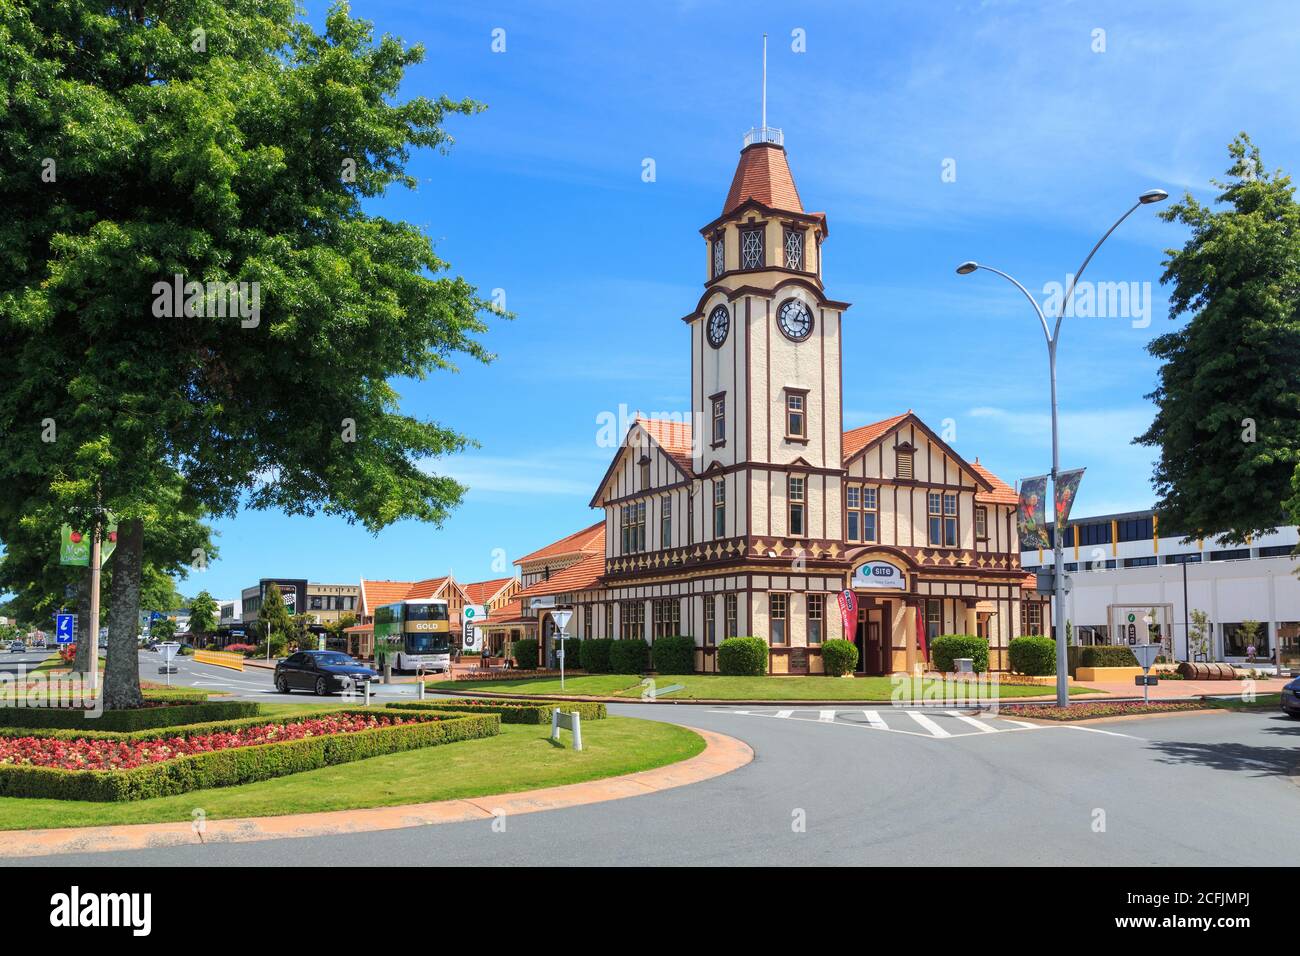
x: 414, y: 634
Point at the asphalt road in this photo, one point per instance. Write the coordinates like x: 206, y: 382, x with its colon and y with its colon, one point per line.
x: 848, y: 786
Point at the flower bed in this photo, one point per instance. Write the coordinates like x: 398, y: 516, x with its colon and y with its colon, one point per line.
x: 513, y: 673
x: 66, y: 765
x: 510, y: 711
x: 1100, y: 708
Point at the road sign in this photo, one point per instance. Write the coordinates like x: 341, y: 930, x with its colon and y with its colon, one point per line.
x: 561, y: 619
x: 1146, y: 654
x: 476, y: 613
x: 65, y: 626
x: 1146, y: 680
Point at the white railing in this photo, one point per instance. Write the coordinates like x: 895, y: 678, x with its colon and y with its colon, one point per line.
x: 765, y: 134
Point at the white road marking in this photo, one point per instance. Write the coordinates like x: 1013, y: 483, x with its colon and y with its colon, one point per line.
x: 1022, y: 724
x: 783, y: 714
x: 826, y: 716
x: 874, y: 720
x: 975, y: 722
x: 934, y: 729
x: 1098, y: 730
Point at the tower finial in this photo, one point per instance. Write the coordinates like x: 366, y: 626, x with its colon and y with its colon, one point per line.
x: 762, y: 134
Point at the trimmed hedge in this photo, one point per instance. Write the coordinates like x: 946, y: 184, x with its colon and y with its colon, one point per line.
x: 239, y: 765
x: 141, y: 718
x: 674, y: 655
x: 158, y: 733
x: 525, y: 653
x: 629, y: 657
x: 1107, y: 656
x: 595, y: 655
x: 839, y: 657
x: 946, y: 648
x: 510, y: 711
x: 743, y: 657
x: 1033, y: 655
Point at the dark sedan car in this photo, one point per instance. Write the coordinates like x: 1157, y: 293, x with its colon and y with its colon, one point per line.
x: 321, y: 671
x: 1291, y: 698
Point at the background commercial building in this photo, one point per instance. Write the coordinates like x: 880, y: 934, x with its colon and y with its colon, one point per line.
x: 1129, y: 564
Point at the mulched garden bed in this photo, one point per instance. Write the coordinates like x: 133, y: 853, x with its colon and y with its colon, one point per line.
x: 1091, y: 710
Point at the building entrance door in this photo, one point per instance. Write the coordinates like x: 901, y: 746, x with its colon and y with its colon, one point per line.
x: 870, y: 638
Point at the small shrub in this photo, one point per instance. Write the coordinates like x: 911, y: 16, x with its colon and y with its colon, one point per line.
x: 674, y: 655
x: 1107, y: 656
x: 839, y: 657
x: 946, y: 648
x: 572, y: 652
x: 525, y: 653
x: 595, y: 655
x: 743, y: 657
x: 1034, y: 655
x: 629, y: 657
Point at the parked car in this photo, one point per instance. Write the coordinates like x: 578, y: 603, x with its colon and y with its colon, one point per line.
x: 1291, y: 698
x: 17, y: 647
x: 322, y: 672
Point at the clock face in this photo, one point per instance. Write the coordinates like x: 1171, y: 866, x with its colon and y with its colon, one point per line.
x: 795, y: 320
x: 719, y: 324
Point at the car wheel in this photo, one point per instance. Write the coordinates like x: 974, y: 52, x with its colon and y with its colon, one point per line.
x: 282, y: 685
x: 322, y: 689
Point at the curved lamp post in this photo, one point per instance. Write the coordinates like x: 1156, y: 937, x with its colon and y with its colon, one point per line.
x: 1053, y: 336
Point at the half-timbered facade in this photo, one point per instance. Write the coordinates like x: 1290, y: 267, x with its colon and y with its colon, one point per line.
x: 753, y: 516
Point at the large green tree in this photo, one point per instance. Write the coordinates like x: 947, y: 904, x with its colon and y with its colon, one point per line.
x: 227, y: 143
x: 1228, y: 402
x: 204, y: 615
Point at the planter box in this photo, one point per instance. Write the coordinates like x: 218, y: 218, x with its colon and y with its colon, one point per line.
x: 1126, y: 674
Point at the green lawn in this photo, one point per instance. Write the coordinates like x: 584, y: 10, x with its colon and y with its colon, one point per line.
x: 521, y: 758
x: 717, y: 687
x: 1261, y: 702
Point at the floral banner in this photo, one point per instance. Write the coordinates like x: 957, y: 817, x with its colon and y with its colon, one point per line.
x: 1065, y: 488
x: 1031, y: 513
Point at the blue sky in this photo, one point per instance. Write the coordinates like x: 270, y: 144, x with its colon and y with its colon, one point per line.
x: 542, y: 197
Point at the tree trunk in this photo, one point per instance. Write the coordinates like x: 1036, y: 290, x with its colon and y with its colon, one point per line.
x: 81, y: 664
x: 122, y: 670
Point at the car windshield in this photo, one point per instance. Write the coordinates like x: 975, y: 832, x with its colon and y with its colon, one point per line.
x: 333, y: 659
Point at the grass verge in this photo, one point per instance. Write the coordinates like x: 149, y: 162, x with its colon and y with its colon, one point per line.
x: 718, y: 687
x: 520, y: 758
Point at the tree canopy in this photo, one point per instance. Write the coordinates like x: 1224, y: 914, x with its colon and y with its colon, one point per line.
x: 189, y: 285
x: 1228, y: 400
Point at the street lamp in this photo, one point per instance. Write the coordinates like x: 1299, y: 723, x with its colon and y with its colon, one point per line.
x: 1053, y: 336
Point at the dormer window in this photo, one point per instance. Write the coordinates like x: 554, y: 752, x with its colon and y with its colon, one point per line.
x: 793, y: 245
x: 751, y: 248
x: 719, y: 257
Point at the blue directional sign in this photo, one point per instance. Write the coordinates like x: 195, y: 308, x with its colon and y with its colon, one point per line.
x: 63, y: 628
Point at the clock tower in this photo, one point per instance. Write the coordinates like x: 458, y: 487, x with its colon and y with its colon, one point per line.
x: 765, y: 360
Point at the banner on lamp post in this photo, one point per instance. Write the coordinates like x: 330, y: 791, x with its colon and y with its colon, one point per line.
x: 74, y: 544
x: 1064, y: 490
x: 1031, y: 513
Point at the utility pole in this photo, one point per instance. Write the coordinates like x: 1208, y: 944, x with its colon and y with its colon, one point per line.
x: 93, y: 636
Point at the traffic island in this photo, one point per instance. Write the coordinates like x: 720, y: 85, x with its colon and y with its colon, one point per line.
x: 690, y: 756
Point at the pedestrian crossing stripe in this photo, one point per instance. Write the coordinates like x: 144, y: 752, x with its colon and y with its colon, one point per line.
x: 928, y: 725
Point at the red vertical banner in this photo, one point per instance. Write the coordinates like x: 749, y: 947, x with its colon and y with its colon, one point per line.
x: 849, y: 614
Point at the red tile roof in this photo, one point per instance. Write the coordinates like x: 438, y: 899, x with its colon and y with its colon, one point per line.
x: 378, y: 593
x: 673, y: 437
x: 576, y: 577
x: 860, y: 438
x: 1002, y: 493
x: 1030, y: 583
x: 763, y: 174
x: 512, y: 612
x: 481, y: 592
x: 587, y: 540
x: 427, y: 588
